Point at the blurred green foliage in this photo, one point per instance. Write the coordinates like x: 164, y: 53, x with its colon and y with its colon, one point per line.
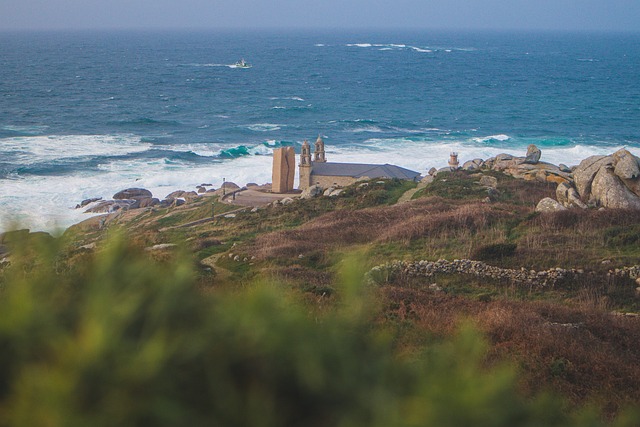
x: 121, y: 340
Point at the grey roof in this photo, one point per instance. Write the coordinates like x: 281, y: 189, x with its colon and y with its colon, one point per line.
x: 359, y: 170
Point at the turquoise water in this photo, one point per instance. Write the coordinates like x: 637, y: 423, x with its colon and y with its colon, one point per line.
x: 86, y: 114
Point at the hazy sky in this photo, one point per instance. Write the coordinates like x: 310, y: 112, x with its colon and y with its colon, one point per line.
x: 600, y: 15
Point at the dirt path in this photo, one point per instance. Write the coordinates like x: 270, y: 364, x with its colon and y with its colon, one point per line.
x: 222, y: 274
x: 406, y: 197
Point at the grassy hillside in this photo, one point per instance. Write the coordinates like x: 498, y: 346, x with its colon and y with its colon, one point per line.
x: 564, y: 338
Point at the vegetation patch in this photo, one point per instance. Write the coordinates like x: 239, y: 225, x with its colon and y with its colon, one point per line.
x: 494, y: 252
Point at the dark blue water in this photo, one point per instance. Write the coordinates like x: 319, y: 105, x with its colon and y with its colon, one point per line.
x: 164, y: 87
x: 85, y: 102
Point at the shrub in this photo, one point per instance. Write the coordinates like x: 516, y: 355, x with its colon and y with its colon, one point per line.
x: 121, y: 340
x: 494, y: 252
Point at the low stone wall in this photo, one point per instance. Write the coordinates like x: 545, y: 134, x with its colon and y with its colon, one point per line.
x: 398, y: 269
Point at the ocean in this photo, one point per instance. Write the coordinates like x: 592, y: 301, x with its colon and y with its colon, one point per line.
x: 85, y: 114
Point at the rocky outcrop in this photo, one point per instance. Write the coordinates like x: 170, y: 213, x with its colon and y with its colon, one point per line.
x: 148, y: 202
x: 110, y: 206
x: 607, y: 190
x: 170, y: 201
x: 609, y: 181
x: 312, y: 191
x: 131, y: 198
x: 533, y: 155
x: 230, y: 186
x: 599, y: 181
x: 586, y: 171
x: 488, y: 181
x: 132, y: 193
x: 529, y: 168
x: 473, y: 165
x: 86, y: 202
x: 568, y: 196
x: 549, y: 205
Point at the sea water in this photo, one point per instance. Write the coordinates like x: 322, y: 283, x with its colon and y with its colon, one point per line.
x: 85, y: 114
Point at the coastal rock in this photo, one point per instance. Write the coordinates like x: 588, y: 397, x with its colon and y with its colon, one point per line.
x: 85, y: 202
x: 181, y: 194
x: 609, y: 191
x: 564, y: 168
x: 549, y: 205
x: 132, y: 193
x: 228, y: 185
x: 427, y: 180
x: 626, y: 165
x: 586, y: 171
x: 504, y: 161
x: 311, y: 192
x: 432, y: 171
x: 473, y: 165
x: 170, y: 201
x: 541, y: 171
x: 175, y: 194
x: 609, y: 181
x: 148, y: 202
x: 190, y: 196
x: 488, y: 181
x: 568, y: 196
x: 110, y: 206
x: 533, y: 155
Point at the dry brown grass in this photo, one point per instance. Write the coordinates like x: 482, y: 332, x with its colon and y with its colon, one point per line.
x: 588, y: 355
x: 585, y: 221
x: 429, y: 217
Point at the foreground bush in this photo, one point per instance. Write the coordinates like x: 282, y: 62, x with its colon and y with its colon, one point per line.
x: 122, y: 341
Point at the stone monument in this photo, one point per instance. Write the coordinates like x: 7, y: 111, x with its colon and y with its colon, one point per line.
x: 284, y: 170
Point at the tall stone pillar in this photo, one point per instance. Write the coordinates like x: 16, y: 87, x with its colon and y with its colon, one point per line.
x: 284, y: 170
x: 305, y: 166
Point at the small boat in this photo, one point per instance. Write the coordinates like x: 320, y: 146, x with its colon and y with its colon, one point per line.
x: 242, y: 64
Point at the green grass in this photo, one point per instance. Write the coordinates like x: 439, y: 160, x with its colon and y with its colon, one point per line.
x: 458, y: 185
x: 125, y: 340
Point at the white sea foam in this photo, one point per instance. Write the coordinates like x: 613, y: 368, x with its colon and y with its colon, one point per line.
x: 31, y: 149
x: 44, y: 203
x: 421, y: 156
x: 292, y: 98
x: 48, y: 203
x: 29, y: 130
x: 391, y: 46
x: 212, y: 65
x: 372, y: 129
x: 264, y: 127
x: 420, y: 49
x: 500, y: 137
